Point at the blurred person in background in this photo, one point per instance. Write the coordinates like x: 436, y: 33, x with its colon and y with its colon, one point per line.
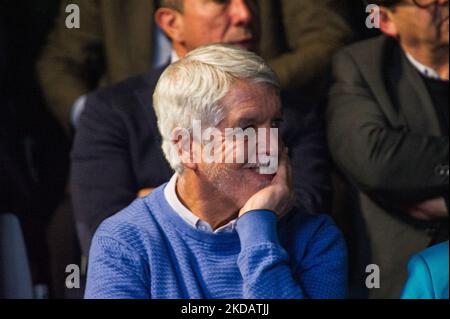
x: 120, y: 39
x: 33, y: 148
x: 428, y: 274
x: 388, y: 133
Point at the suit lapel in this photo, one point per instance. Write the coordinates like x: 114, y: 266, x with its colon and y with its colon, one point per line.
x: 418, y: 108
x: 374, y: 71
x: 400, y: 90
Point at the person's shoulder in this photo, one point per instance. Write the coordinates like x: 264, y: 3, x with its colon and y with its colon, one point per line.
x: 365, y: 53
x: 122, y: 94
x: 435, y: 257
x: 365, y: 47
x: 137, y: 221
x: 131, y: 227
x: 133, y: 218
x: 120, y: 91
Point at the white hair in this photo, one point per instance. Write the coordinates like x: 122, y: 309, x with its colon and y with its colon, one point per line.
x: 193, y: 88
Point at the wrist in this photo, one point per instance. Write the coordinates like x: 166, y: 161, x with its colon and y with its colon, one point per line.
x: 257, y: 226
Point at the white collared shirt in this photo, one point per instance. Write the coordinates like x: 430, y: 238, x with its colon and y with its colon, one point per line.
x: 171, y: 196
x: 174, y: 57
x: 423, y: 69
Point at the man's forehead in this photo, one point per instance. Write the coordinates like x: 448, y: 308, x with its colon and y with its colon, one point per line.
x: 247, y: 99
x: 247, y: 91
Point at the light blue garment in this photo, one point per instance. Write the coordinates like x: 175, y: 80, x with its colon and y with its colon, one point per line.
x: 162, y: 48
x: 428, y: 274
x: 148, y: 251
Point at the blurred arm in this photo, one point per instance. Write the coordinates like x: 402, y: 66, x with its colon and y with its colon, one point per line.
x: 63, y: 67
x: 314, y: 31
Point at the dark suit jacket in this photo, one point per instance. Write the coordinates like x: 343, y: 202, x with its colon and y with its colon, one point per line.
x: 384, y: 134
x: 115, y: 42
x: 117, y: 152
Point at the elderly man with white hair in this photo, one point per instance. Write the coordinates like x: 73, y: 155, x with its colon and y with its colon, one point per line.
x: 259, y: 247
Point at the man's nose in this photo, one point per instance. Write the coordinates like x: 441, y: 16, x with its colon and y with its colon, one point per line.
x: 241, y: 12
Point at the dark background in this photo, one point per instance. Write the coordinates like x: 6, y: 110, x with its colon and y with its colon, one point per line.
x: 33, y: 148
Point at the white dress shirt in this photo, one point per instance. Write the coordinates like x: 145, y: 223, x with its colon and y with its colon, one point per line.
x: 423, y: 69
x: 171, y: 196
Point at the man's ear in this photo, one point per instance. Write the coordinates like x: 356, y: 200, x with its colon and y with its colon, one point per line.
x: 387, y: 23
x: 171, y: 22
x: 182, y: 140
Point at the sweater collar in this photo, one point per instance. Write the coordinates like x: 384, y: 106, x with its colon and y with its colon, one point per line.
x: 191, y: 219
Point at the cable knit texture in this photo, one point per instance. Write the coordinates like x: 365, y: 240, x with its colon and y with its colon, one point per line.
x: 148, y: 251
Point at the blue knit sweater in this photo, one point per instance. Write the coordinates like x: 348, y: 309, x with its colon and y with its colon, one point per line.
x: 148, y: 251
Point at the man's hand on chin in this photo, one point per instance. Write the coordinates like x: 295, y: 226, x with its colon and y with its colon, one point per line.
x: 278, y: 196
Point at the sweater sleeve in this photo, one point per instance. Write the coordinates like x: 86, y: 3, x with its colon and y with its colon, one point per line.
x: 269, y: 273
x: 115, y: 271
x: 263, y: 262
x: 323, y: 267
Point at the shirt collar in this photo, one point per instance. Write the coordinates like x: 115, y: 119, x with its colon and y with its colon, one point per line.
x: 173, y: 200
x: 423, y: 69
x: 174, y: 57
